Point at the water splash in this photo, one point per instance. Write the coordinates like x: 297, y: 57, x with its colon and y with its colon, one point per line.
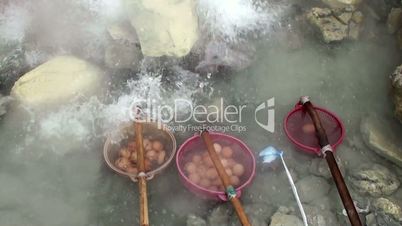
x: 231, y: 19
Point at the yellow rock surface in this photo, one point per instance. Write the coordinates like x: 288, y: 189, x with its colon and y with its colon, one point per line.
x: 164, y: 27
x: 57, y: 81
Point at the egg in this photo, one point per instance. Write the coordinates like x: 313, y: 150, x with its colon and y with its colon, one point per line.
x: 132, y: 170
x: 227, y: 152
x: 161, y: 157
x: 157, y: 145
x: 132, y: 146
x: 208, y: 161
x: 218, y: 148
x: 229, y: 172
x: 231, y: 162
x: 133, y: 157
x: 216, y: 182
x: 147, y: 144
x: 205, y: 183
x: 211, y: 173
x: 234, y: 180
x: 122, y: 163
x: 197, y: 159
x: 125, y: 153
x: 308, y: 128
x: 190, y: 168
x: 238, y: 170
x: 151, y: 155
x: 195, y: 178
x: 201, y: 170
x: 225, y: 162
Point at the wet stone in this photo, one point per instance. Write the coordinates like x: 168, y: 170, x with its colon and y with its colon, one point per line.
x: 375, y: 180
x: 258, y: 214
x: 317, y: 216
x: 193, y: 220
x: 319, y: 167
x: 311, y: 188
x: 383, y: 137
x: 396, y: 81
x: 283, y: 218
x: 394, y: 21
x: 388, y: 210
x: 219, y: 216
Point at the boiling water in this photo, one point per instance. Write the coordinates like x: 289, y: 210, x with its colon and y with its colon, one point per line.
x: 51, y: 166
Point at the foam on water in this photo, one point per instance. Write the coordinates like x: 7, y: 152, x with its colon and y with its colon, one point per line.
x: 229, y: 19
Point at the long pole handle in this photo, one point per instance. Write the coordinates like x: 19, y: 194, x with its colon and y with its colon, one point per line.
x: 142, y: 182
x: 333, y: 166
x: 231, y: 193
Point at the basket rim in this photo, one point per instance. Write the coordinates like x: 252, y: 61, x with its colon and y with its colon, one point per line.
x: 217, y: 193
x: 149, y: 174
x: 307, y: 148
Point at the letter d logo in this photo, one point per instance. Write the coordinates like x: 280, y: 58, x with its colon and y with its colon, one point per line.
x: 269, y: 105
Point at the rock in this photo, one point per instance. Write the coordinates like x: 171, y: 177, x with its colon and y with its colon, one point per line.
x: 389, y: 208
x: 383, y: 137
x: 282, y: 218
x: 123, y: 51
x: 319, y: 217
x: 311, y: 188
x: 4, y: 101
x: 341, y: 3
x: 258, y: 214
x: 219, y: 216
x: 57, y: 81
x: 396, y: 81
x: 12, y: 66
x: 358, y: 17
x: 332, y: 30
x: 336, y: 25
x: 399, y: 42
x: 394, y: 21
x: 193, y: 220
x: 123, y: 56
x: 219, y: 56
x: 375, y: 180
x: 319, y: 167
x: 164, y: 27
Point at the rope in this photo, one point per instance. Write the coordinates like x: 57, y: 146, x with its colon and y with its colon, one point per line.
x: 294, y: 189
x: 231, y: 192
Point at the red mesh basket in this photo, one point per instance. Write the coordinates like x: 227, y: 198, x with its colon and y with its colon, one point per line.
x: 300, y: 129
x: 196, y: 146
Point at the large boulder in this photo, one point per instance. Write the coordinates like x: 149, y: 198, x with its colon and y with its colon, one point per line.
x: 123, y: 50
x: 57, y: 81
x: 375, y: 180
x: 164, y: 27
x: 396, y: 80
x: 383, y: 137
x: 335, y: 25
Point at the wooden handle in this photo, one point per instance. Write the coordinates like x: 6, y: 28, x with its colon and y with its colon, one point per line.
x: 333, y: 166
x: 224, y: 178
x: 142, y: 182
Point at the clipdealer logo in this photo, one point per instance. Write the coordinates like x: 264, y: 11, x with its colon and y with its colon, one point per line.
x: 209, y: 117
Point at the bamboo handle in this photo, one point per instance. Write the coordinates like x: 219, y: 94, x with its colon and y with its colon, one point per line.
x: 225, y: 178
x: 333, y: 166
x: 142, y: 182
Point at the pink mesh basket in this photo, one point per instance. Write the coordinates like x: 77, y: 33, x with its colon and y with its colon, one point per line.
x: 195, y: 146
x: 299, y: 128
